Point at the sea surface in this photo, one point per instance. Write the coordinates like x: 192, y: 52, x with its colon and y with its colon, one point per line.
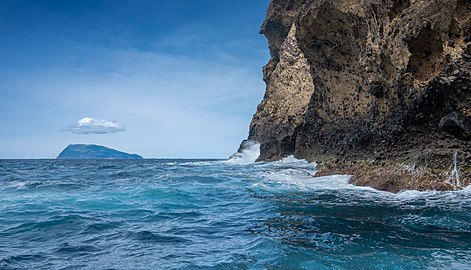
x: 220, y: 214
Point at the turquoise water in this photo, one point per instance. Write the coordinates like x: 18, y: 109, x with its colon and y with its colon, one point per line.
x: 202, y: 214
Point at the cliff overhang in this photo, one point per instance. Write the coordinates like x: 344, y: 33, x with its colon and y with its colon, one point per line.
x: 377, y: 89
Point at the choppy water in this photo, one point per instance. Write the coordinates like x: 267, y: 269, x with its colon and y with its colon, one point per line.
x: 197, y: 214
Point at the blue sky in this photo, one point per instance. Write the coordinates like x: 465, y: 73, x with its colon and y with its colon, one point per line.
x: 161, y: 78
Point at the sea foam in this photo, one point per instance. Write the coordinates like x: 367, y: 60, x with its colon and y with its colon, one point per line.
x: 247, y: 155
x: 186, y: 214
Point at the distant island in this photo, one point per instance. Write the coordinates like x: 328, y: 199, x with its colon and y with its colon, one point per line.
x: 90, y: 151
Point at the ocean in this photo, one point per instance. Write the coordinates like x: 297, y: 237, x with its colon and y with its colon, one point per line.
x: 220, y: 214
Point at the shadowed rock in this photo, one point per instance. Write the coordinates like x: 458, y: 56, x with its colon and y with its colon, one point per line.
x: 456, y: 124
x: 367, y: 83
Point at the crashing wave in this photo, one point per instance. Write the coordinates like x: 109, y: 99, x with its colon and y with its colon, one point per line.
x: 248, y: 153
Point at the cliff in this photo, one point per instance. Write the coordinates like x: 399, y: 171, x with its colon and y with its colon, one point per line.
x: 86, y: 151
x: 377, y: 89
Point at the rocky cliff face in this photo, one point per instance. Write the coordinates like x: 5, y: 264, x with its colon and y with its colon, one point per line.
x: 379, y: 89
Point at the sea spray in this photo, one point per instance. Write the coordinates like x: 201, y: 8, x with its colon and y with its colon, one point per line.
x: 454, y: 175
x: 247, y: 154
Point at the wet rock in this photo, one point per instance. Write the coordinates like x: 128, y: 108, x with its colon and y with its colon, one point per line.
x: 419, y: 116
x: 444, y: 81
x: 451, y: 78
x: 457, y: 124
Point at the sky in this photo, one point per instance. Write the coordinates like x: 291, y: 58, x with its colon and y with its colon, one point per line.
x: 161, y: 78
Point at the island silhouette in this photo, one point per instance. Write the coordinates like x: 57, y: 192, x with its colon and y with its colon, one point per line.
x: 92, y: 151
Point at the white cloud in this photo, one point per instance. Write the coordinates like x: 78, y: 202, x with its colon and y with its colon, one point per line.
x: 88, y: 125
x: 172, y: 106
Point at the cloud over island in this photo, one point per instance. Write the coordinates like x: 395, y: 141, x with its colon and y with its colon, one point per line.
x: 89, y: 125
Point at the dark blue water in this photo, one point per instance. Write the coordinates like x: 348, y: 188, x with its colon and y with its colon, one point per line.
x: 182, y: 214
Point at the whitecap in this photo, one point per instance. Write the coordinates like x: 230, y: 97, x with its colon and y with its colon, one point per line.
x: 248, y: 155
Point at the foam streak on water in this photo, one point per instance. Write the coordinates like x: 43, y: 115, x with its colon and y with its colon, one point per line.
x: 210, y: 214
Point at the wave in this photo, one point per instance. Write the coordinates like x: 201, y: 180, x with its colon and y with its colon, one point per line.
x: 248, y: 154
x: 291, y: 174
x: 250, y: 216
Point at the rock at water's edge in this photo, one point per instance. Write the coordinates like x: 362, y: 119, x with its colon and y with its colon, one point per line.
x: 377, y: 89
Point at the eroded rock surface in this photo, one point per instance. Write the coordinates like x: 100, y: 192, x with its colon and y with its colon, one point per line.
x: 377, y: 89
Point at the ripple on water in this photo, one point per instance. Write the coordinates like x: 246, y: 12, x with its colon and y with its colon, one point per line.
x: 76, y: 250
x: 159, y: 238
x: 183, y: 214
